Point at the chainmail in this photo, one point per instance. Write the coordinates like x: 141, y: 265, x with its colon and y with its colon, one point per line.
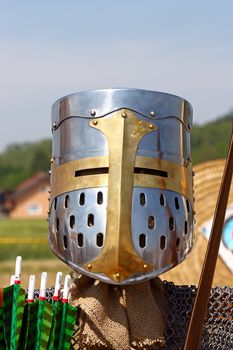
x: 48, y: 296
x: 218, y: 329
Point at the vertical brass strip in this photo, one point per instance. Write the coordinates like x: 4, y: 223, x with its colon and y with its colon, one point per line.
x: 118, y: 259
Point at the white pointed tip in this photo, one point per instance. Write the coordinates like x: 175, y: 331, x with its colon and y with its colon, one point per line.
x: 31, y: 288
x: 12, y: 281
x: 57, y: 285
x: 66, y: 290
x: 58, y: 278
x: 43, y: 283
x: 18, y: 269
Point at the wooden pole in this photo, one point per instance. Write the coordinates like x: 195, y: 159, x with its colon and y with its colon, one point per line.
x: 202, y: 298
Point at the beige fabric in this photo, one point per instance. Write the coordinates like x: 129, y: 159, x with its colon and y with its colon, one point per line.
x: 119, y: 317
x: 207, y: 180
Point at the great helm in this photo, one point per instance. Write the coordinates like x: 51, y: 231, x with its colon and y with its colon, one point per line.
x: 121, y: 206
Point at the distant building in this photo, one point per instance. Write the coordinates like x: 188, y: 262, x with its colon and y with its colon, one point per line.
x: 31, y: 198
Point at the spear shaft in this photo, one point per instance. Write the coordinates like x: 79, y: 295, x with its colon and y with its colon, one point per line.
x: 202, y: 298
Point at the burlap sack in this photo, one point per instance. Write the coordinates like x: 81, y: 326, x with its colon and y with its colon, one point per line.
x: 119, y: 317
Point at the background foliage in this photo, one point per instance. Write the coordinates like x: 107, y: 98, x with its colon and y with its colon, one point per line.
x: 211, y: 141
x: 20, y: 161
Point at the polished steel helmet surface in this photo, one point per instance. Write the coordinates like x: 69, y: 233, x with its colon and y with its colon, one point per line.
x: 121, y: 205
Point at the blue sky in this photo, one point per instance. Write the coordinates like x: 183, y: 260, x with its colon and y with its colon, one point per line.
x: 53, y: 48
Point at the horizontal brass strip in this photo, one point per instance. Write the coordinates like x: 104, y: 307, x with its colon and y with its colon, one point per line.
x: 63, y: 176
x: 157, y: 163
x: 150, y: 181
x: 179, y: 178
x: 71, y: 176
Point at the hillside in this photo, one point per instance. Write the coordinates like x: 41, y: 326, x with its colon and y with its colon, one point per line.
x: 19, y: 161
x: 211, y: 140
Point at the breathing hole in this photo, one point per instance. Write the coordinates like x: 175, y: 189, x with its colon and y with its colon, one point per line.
x: 162, y: 200
x: 90, y: 220
x: 57, y: 224
x: 82, y: 199
x: 185, y: 227
x: 142, y: 240
x: 171, y: 224
x: 100, y: 198
x: 188, y: 206
x: 177, y: 242
x: 55, y: 203
x: 72, y: 221
x: 142, y: 199
x: 65, y: 242
x: 162, y: 242
x: 67, y: 200
x: 151, y: 222
x: 177, y: 205
x: 99, y: 239
x: 80, y: 240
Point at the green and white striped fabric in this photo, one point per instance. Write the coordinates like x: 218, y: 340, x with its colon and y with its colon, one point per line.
x: 13, y: 308
x: 69, y: 313
x: 56, y: 326
x: 34, y: 325
x: 44, y: 321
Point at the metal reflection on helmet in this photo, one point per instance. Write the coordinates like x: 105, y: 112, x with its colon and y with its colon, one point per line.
x: 121, y: 205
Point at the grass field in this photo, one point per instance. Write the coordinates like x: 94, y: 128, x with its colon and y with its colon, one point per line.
x: 28, y: 238
x: 23, y: 227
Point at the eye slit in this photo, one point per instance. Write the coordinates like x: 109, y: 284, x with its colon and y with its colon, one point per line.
x: 80, y: 240
x: 94, y: 171
x: 151, y: 222
x: 188, y: 206
x: 177, y: 205
x: 100, y: 197
x: 142, y: 199
x: 90, y: 220
x: 162, y: 200
x: 142, y: 240
x: 172, y: 224
x: 67, y: 201
x: 99, y: 239
x: 82, y: 199
x: 185, y: 227
x: 55, y: 203
x: 162, y: 242
x: 153, y: 172
x: 57, y: 224
x: 65, y: 242
x: 72, y: 221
